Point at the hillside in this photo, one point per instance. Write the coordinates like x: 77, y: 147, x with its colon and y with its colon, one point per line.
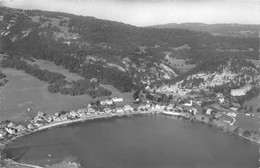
x: 234, y: 30
x: 115, y: 53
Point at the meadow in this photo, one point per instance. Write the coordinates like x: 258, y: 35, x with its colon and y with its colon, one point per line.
x: 24, y: 92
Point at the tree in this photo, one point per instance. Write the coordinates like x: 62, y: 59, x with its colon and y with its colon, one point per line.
x: 236, y: 130
x: 258, y: 110
x: 245, y: 107
x: 246, y: 133
x: 251, y: 108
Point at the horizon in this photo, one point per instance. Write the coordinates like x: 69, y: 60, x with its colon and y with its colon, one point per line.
x: 143, y: 13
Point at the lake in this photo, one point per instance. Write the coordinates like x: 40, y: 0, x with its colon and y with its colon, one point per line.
x: 148, y: 141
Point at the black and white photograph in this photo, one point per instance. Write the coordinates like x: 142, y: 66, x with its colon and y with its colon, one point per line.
x: 129, y: 83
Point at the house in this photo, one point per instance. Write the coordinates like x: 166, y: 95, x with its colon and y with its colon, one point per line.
x: 221, y: 100
x: 190, y: 103
x: 40, y: 114
x: 73, y: 114
x: 30, y: 126
x: 106, y: 102
x: 10, y: 125
x: 199, y: 103
x: 158, y: 107
x: 128, y: 108
x: 36, y: 119
x: 193, y: 110
x: 57, y: 114
x: 9, y: 130
x: 2, y: 134
x: 119, y: 110
x: 107, y: 110
x: 232, y: 114
x: 38, y: 125
x: 55, y: 118
x: 233, y: 108
x: 117, y: 99
x: 81, y: 112
x: 63, y: 117
x: 48, y: 119
x: 94, y: 80
x: 219, y: 95
x: 209, y: 111
x: 143, y: 107
x: 20, y: 128
x: 91, y: 110
x: 169, y: 107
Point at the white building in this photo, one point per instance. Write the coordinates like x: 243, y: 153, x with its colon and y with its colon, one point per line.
x: 107, y: 110
x: 119, y: 110
x: 209, y: 111
x: 30, y: 126
x: 128, y: 108
x: 117, y: 99
x: 63, y: 117
x: 233, y: 108
x: 81, y: 112
x: 193, y: 110
x: 9, y: 130
x: 91, y: 110
x: 158, y: 107
x: 106, y: 102
x: 20, y: 128
x: 188, y: 103
x: 73, y: 114
x: 2, y: 134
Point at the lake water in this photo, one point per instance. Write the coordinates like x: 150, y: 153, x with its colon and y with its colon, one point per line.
x: 139, y: 142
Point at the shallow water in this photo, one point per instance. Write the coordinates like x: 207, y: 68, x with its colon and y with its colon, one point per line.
x: 140, y: 142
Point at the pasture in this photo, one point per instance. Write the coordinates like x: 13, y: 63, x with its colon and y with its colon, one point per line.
x: 54, y: 68
x: 250, y: 123
x: 24, y: 91
x: 179, y: 64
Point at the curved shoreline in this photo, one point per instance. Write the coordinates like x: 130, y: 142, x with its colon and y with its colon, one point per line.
x: 105, y: 116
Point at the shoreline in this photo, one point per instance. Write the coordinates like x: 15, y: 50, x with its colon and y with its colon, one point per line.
x: 107, y: 116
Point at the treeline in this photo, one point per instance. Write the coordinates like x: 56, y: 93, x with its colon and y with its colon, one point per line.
x: 79, y: 87
x: 43, y: 75
x: 56, y: 81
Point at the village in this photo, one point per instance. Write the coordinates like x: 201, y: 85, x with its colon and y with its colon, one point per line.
x: 206, y: 110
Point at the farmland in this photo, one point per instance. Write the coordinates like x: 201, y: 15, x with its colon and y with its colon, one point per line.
x: 24, y: 92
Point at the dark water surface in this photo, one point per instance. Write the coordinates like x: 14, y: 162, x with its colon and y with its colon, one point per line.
x: 140, y: 142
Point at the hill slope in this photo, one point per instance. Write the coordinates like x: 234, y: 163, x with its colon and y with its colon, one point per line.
x: 115, y: 53
x: 235, y: 30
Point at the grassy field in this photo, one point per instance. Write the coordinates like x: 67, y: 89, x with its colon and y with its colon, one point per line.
x: 255, y: 103
x: 247, y: 122
x: 24, y: 91
x: 180, y: 64
x: 52, y: 67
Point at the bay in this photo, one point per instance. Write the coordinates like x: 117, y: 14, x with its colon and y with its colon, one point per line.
x: 138, y: 142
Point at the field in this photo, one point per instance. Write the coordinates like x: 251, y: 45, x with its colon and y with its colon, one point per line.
x: 255, y: 103
x: 179, y: 64
x: 52, y: 67
x: 24, y: 91
x: 247, y: 122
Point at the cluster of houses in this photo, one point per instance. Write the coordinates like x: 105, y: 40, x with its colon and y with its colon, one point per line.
x: 187, y: 107
x: 9, y: 128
